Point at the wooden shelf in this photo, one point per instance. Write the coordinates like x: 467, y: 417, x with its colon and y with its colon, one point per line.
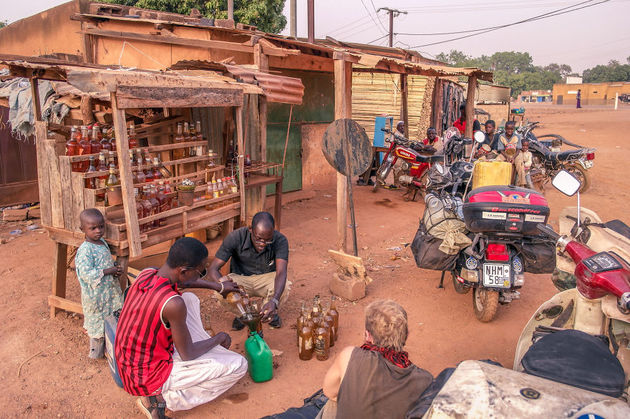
x: 87, y: 175
x: 259, y: 166
x: 150, y: 149
x: 261, y: 180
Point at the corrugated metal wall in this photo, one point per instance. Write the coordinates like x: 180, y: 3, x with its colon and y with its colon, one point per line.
x: 375, y: 94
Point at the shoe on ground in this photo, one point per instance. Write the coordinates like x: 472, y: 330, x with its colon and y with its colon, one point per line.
x: 276, y: 322
x: 97, y: 348
x: 360, y: 182
x: 237, y: 324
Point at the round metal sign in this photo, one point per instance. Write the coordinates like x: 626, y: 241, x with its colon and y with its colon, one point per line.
x: 347, y: 147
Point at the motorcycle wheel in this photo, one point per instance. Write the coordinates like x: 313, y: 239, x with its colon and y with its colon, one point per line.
x: 580, y: 173
x: 381, y: 174
x: 485, y: 304
x: 459, y: 287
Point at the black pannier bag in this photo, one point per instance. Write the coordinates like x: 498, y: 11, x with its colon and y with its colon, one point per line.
x: 578, y: 359
x: 427, y: 253
x: 539, y: 255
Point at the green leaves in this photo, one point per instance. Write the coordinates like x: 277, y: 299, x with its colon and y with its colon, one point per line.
x: 265, y: 14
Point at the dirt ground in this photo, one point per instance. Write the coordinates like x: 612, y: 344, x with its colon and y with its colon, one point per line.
x: 44, y: 362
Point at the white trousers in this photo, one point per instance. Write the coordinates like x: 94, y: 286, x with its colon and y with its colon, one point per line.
x: 201, y: 380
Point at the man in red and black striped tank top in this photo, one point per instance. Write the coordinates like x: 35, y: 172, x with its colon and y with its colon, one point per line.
x: 163, y: 352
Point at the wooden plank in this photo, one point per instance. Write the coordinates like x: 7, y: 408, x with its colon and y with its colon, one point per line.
x: 37, y: 109
x: 126, y: 180
x: 78, y: 184
x: 89, y: 198
x: 65, y: 170
x: 343, y: 109
x: 470, y: 106
x: 177, y: 97
x: 64, y: 304
x: 241, y: 159
x: 60, y: 270
x: 172, y: 40
x: 404, y: 103
x: 43, y: 177
x: 54, y: 181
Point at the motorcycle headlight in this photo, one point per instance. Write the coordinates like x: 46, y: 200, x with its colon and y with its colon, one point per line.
x: 405, y: 166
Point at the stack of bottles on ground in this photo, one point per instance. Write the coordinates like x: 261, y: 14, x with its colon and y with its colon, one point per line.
x: 317, y: 330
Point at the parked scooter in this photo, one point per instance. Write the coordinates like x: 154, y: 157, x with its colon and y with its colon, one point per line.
x: 548, y: 160
x: 600, y: 303
x: 416, y: 158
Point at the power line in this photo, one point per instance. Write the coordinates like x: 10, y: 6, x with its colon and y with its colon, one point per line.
x: 353, y: 29
x: 348, y: 25
x: 391, y: 21
x: 378, y: 39
x: 377, y: 17
x: 553, y: 13
x: 368, y: 12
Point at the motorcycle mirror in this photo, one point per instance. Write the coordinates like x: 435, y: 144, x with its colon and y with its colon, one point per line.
x: 479, y: 136
x: 566, y: 183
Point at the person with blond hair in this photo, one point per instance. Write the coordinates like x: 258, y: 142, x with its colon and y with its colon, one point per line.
x: 376, y: 379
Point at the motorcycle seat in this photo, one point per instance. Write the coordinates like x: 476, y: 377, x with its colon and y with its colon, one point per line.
x: 619, y: 226
x: 430, y: 159
x: 563, y: 155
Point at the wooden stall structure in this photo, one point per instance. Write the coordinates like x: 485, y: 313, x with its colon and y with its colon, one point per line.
x: 66, y: 188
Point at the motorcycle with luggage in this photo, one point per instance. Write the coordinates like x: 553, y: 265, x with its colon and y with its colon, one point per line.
x: 416, y: 159
x: 485, y: 237
x: 572, y: 358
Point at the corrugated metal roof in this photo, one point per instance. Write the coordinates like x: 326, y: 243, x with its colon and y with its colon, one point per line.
x: 277, y: 88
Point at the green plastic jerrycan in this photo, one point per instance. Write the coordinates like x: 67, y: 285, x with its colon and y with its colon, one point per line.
x: 259, y: 358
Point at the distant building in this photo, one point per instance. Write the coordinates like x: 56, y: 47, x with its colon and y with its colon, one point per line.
x: 574, y: 80
x: 592, y: 93
x: 539, y: 96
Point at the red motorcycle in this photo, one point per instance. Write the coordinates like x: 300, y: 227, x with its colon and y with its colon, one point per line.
x: 417, y: 159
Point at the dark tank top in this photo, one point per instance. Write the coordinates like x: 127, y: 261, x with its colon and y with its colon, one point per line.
x: 373, y: 387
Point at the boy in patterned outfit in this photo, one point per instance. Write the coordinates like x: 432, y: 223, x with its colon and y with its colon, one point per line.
x: 100, y: 292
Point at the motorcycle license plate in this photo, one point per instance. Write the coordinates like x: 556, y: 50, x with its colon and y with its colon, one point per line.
x: 496, y: 275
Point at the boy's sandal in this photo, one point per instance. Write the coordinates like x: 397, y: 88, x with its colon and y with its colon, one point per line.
x: 154, y: 404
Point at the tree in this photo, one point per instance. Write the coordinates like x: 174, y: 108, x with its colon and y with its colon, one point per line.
x: 612, y: 72
x: 3, y: 23
x: 264, y: 14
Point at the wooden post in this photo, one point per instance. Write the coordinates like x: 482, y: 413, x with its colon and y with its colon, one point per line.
x: 404, y: 104
x: 43, y: 179
x: 59, y: 274
x: 87, y: 106
x: 470, y: 106
x: 126, y: 179
x: 37, y: 109
x: 343, y: 109
x: 241, y: 159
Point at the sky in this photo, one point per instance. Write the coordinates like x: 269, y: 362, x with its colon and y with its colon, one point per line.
x: 582, y: 39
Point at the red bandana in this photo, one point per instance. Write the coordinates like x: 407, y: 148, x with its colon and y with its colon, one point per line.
x: 400, y: 359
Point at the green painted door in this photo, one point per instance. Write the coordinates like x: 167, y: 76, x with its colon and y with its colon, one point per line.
x: 318, y: 105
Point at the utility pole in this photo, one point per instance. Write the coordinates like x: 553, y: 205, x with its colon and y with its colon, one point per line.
x: 293, y: 15
x: 310, y: 11
x: 391, y: 21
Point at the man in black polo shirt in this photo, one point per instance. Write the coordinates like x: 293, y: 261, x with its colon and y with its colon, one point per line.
x: 259, y: 257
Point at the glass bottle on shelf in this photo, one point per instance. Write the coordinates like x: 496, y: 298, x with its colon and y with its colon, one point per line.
x: 112, y: 139
x: 139, y: 208
x: 233, y: 185
x: 95, y: 139
x: 156, y: 169
x: 111, y: 159
x: 90, y: 182
x: 147, y: 208
x: 199, y: 137
x: 155, y: 204
x: 321, y: 341
x: 163, y: 199
x: 148, y: 172
x: 133, y: 140
x: 192, y: 136
x: 301, y: 319
x: 248, y: 161
x: 305, y: 341
x: 215, y: 189
x: 140, y: 175
x: 105, y: 143
x: 328, y: 319
x: 179, y: 153
x: 114, y: 194
x: 72, y: 147
x: 84, y: 147
x: 102, y: 179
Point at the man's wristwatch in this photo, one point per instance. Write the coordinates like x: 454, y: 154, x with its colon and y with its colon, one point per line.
x: 275, y: 301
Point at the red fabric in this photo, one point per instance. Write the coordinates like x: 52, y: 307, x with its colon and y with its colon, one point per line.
x: 144, y: 346
x: 400, y: 359
x: 460, y: 125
